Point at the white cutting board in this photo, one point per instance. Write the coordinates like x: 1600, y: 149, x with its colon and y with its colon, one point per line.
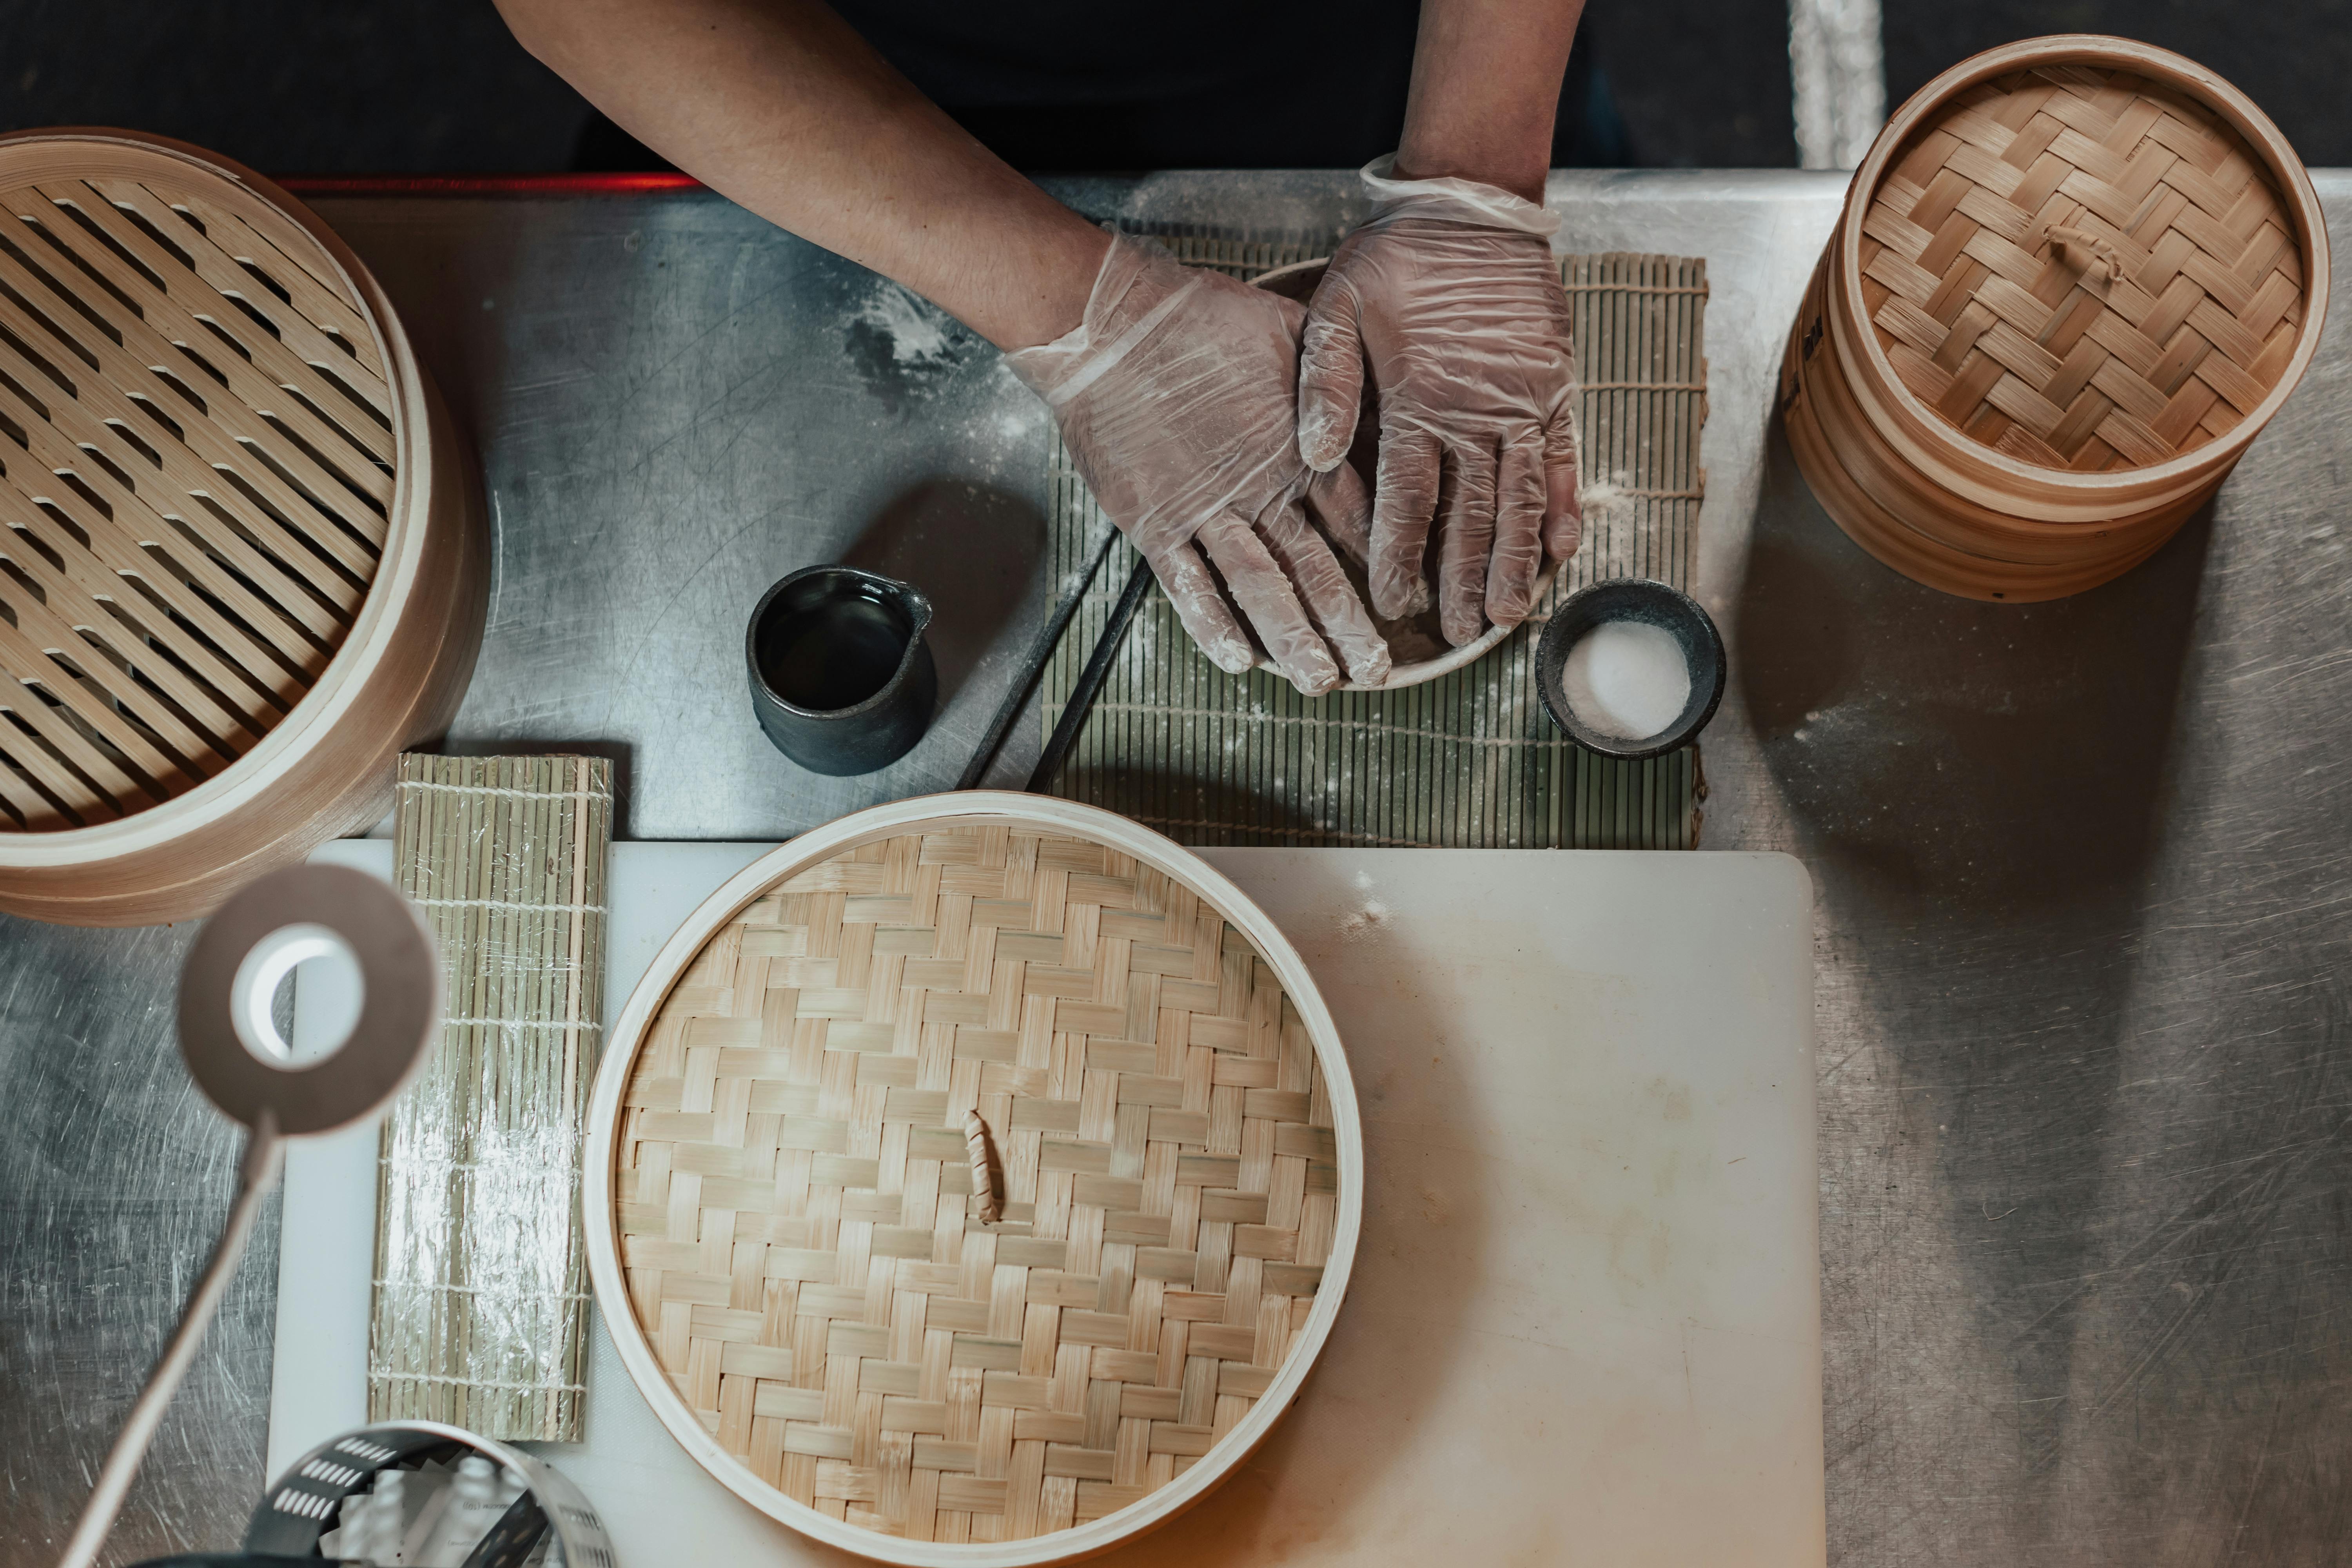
x: 1585, y: 1321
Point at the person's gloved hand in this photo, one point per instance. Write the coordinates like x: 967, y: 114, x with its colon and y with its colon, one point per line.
x: 1176, y: 394
x: 1451, y: 292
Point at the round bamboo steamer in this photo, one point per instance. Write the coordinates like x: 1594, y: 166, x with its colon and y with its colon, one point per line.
x: 2073, y: 280
x: 787, y: 1242
x: 247, y: 562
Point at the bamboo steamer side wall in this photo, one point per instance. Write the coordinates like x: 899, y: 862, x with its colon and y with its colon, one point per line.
x: 1929, y: 534
x: 1890, y: 538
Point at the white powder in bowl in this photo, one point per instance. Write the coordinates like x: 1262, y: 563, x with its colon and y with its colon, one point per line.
x: 1627, y: 679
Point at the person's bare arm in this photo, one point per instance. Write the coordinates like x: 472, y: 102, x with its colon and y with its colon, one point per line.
x: 1174, y: 388
x: 1486, y: 90
x: 779, y: 105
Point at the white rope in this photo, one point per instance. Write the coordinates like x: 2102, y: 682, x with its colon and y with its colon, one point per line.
x: 507, y: 1290
x: 413, y: 1163
x: 379, y: 1374
x: 1370, y: 726
x: 511, y: 794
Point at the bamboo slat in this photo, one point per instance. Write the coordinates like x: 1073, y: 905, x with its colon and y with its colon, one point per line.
x: 480, y: 1302
x: 806, y: 1252
x: 1467, y: 760
x: 2110, y: 276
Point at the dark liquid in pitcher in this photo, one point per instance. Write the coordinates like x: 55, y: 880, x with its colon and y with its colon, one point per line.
x: 834, y: 654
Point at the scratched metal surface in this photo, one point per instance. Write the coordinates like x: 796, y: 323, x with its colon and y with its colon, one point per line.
x: 2087, y: 1176
x: 115, y: 1176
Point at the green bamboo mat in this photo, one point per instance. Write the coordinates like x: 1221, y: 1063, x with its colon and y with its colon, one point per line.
x: 1470, y: 759
x: 480, y: 1315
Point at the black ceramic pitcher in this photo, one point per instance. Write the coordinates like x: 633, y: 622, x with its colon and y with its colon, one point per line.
x: 840, y: 679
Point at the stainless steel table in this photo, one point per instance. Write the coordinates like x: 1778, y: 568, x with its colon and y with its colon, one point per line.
x: 2083, y: 870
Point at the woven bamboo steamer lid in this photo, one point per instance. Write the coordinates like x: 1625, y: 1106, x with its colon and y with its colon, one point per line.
x: 248, y: 563
x: 787, y: 1243
x: 2266, y: 187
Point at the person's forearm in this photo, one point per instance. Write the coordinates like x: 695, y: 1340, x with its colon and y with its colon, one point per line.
x: 1486, y: 88
x: 779, y: 105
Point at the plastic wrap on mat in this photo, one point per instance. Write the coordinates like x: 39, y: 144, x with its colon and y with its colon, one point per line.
x: 481, y: 1291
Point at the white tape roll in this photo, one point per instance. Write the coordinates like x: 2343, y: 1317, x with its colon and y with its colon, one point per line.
x: 233, y: 1049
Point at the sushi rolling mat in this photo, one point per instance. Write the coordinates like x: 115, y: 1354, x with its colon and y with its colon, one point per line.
x: 1468, y: 760
x: 1584, y: 1325
x: 481, y: 1289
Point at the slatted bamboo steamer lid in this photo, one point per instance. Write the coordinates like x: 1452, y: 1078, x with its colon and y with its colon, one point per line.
x: 245, y: 562
x: 788, y: 1244
x: 2071, y: 281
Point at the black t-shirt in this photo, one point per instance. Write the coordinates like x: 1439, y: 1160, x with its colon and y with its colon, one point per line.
x: 1077, y: 86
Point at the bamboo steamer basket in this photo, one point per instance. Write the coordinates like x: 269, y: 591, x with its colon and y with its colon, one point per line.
x: 784, y: 1233
x: 245, y: 565
x: 2073, y: 280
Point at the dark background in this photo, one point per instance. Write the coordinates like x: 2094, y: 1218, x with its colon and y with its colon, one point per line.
x: 437, y: 86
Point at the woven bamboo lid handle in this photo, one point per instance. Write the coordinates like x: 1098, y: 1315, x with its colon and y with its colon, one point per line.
x: 2110, y: 259
x: 983, y: 1180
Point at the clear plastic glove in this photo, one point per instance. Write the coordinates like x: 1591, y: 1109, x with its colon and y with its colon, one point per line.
x: 1451, y: 294
x: 1176, y: 396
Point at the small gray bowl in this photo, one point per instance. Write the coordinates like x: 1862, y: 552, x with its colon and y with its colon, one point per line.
x: 1634, y: 599
x: 842, y: 680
